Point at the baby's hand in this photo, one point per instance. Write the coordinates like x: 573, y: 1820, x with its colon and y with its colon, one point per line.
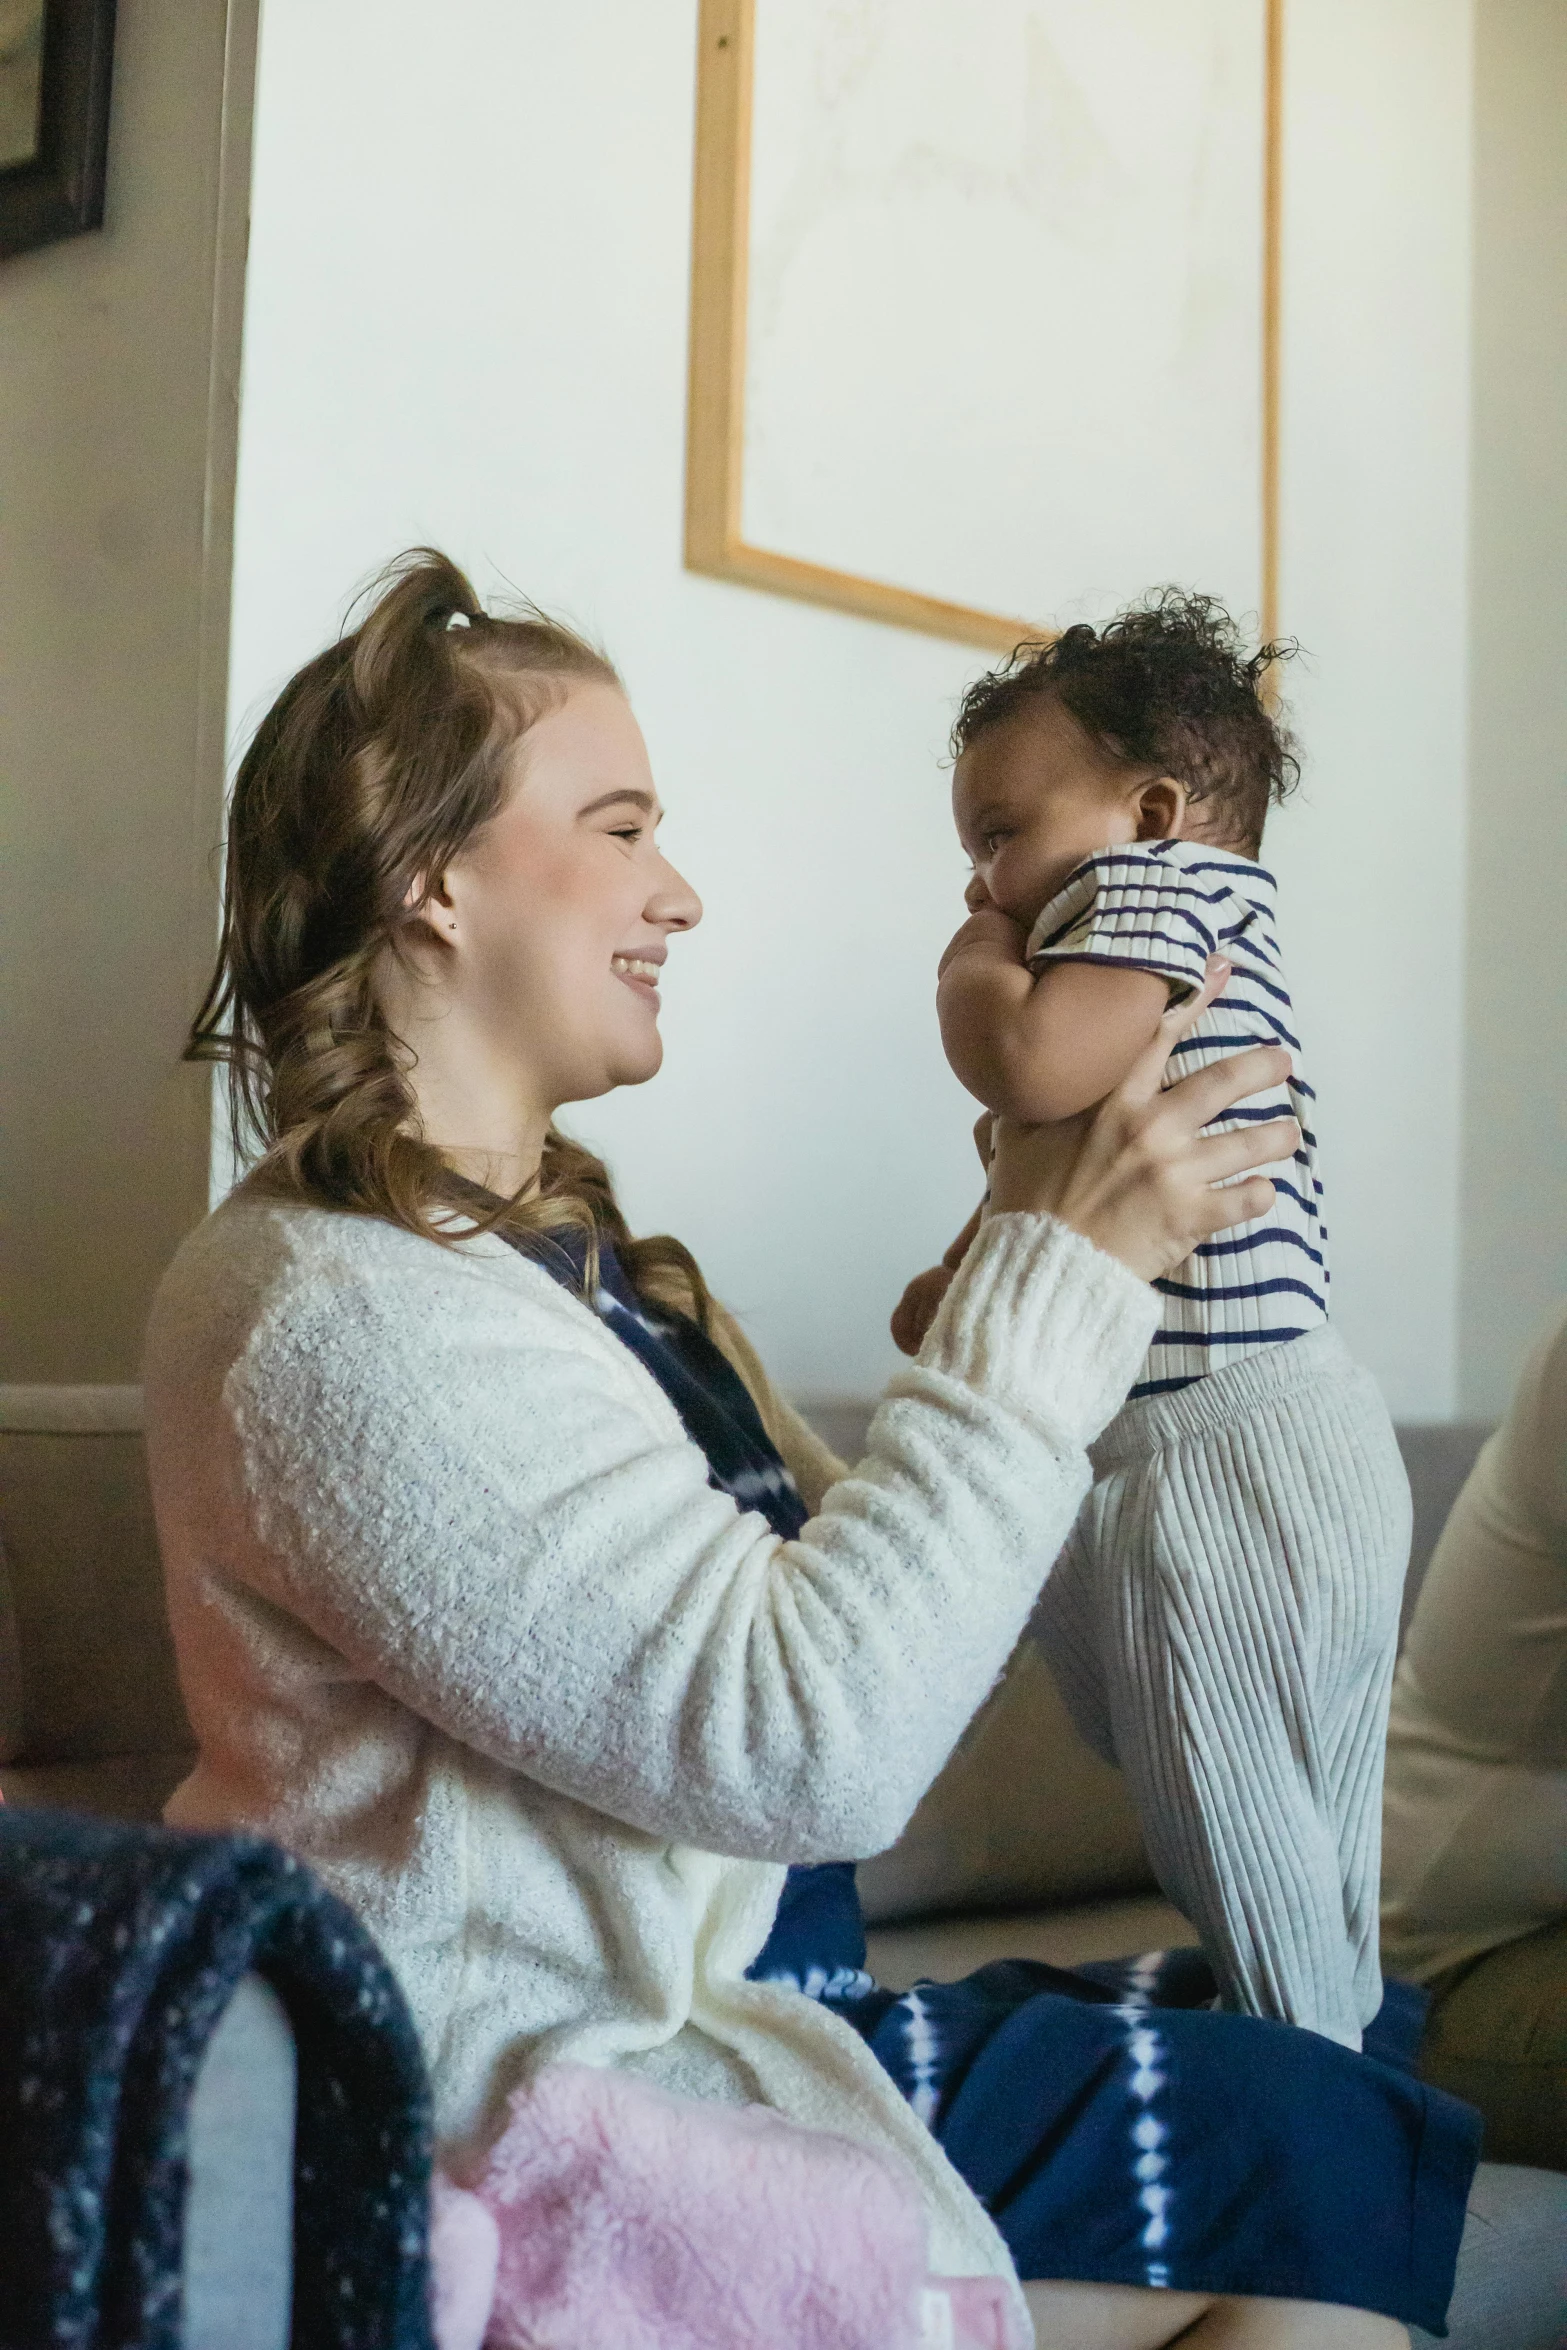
x: 987, y: 932
x: 916, y: 1308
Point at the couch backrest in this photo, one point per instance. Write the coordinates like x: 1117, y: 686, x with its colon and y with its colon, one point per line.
x: 10, y: 1670
x: 1022, y: 1815
x: 89, y: 1666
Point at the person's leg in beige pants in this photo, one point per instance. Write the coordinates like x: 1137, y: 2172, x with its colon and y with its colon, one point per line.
x: 1497, y: 2037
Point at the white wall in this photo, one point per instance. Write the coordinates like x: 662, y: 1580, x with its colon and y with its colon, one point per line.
x: 1373, y: 575
x: 1515, y: 1095
x: 466, y: 323
x: 118, y: 353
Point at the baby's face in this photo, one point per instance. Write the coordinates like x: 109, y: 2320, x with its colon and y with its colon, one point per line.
x: 1032, y: 798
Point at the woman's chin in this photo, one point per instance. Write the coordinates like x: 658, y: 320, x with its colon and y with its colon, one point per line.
x: 636, y: 1061
x: 649, y: 1065
x: 622, y: 1052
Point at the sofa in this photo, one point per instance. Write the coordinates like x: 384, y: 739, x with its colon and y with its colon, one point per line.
x: 1026, y: 1846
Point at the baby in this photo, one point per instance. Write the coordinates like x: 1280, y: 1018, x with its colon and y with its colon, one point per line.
x: 1223, y: 1619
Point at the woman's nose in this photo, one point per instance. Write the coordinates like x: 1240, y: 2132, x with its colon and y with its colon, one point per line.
x: 674, y: 904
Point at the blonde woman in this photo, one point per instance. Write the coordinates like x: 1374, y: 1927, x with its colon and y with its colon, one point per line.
x: 510, y: 1596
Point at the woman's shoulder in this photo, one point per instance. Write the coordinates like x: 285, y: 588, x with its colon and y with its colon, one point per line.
x: 257, y: 1241
x: 264, y: 1272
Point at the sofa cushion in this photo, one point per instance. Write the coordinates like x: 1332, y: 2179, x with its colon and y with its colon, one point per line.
x: 10, y: 1668
x: 1511, y: 2289
x: 941, y: 1950
x: 1022, y: 1815
x: 1438, y: 1457
x: 92, y: 1645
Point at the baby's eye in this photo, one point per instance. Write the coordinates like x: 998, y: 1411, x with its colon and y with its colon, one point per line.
x: 991, y: 841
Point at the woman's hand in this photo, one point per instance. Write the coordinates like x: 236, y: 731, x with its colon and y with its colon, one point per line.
x: 1136, y: 1175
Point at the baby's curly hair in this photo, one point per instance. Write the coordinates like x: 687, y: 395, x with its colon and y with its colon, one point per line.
x: 1167, y: 684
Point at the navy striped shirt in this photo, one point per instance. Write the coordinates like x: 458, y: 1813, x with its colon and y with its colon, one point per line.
x: 1166, y: 906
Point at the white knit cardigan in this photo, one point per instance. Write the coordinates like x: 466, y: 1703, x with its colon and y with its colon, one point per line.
x: 462, y: 1623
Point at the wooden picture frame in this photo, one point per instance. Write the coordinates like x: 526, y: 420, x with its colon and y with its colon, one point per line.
x: 58, y: 190
x: 715, y: 444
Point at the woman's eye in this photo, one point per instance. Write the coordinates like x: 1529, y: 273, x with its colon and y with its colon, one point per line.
x: 627, y: 832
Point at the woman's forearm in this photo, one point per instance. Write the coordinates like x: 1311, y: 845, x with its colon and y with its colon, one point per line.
x: 559, y: 1587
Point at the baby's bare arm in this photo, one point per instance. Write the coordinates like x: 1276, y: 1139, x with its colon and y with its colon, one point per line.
x: 916, y: 1309
x: 1039, y: 1049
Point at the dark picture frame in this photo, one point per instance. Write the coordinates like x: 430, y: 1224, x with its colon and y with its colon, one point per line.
x: 58, y: 190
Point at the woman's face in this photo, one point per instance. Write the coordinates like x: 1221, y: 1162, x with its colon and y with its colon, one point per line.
x: 557, y: 915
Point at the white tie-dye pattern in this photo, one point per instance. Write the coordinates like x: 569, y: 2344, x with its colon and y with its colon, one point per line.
x: 924, y: 2057
x: 1145, y: 2053
x: 752, y: 1484
x: 819, y: 1982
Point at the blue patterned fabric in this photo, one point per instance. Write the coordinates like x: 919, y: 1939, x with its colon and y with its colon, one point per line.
x: 120, y: 1948
x: 715, y: 1405
x: 1116, y: 2129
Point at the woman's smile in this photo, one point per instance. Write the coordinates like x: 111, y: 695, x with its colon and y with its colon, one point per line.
x: 640, y: 973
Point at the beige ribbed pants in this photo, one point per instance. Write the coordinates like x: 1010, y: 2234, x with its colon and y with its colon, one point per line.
x: 1222, y: 1624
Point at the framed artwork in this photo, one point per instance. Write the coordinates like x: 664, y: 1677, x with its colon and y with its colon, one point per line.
x: 985, y: 306
x: 56, y: 58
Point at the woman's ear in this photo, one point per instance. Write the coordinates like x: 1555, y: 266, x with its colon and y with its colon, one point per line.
x: 1161, y: 809
x: 428, y: 902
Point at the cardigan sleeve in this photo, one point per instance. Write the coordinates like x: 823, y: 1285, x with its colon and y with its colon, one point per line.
x: 482, y: 1512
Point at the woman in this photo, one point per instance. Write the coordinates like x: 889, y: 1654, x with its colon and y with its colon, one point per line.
x: 550, y: 1692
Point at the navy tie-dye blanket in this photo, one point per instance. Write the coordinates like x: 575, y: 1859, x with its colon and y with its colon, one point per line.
x: 119, y: 1950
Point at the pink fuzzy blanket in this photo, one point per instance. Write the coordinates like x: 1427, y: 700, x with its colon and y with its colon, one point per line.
x: 612, y: 2212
